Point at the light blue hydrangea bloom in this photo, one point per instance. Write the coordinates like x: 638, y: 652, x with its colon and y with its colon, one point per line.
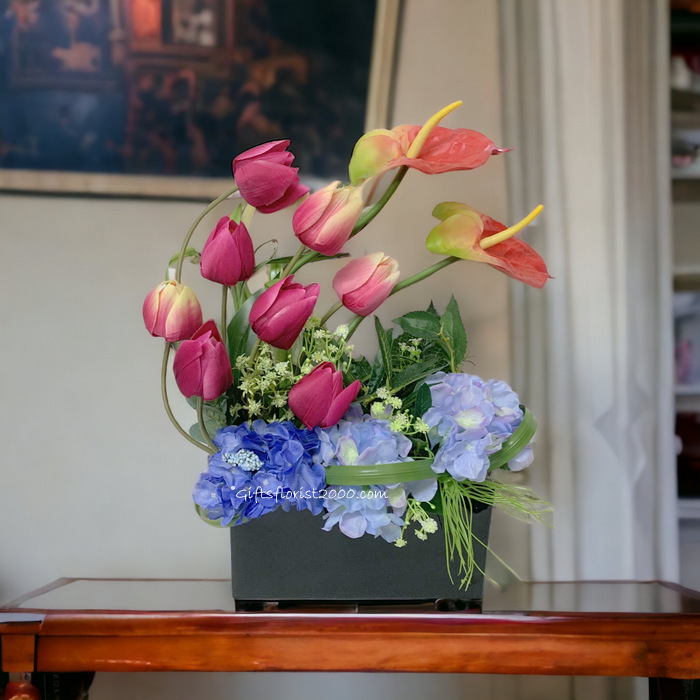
x: 470, y: 419
x: 375, y: 510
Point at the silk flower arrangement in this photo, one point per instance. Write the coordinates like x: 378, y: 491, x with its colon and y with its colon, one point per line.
x: 290, y: 416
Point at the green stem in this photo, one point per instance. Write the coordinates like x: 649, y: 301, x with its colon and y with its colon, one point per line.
x: 336, y: 307
x: 290, y: 265
x: 166, y: 403
x: 419, y: 276
x: 185, y: 243
x: 352, y: 326
x: 376, y: 208
x: 202, y: 428
x: 224, y: 301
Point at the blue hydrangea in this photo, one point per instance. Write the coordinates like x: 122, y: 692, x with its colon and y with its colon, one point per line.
x: 259, y: 468
x: 470, y: 419
x: 374, y: 510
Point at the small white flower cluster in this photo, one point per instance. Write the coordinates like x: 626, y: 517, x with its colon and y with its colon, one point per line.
x: 264, y: 385
x: 411, y: 351
x: 321, y: 345
x: 416, y: 513
x: 389, y: 408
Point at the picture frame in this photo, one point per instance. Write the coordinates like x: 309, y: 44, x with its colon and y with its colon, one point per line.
x: 153, y: 98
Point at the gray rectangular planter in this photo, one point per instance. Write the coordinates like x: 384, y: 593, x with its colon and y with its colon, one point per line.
x: 287, y: 557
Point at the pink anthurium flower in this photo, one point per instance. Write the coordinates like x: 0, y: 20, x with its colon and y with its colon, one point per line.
x: 228, y: 256
x: 202, y: 366
x: 172, y: 311
x: 363, y: 284
x: 280, y: 312
x: 319, y: 398
x: 265, y: 177
x: 325, y: 220
x: 445, y: 150
x: 465, y: 233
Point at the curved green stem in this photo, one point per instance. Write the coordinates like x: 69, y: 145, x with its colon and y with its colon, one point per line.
x: 166, y: 403
x: 336, y: 307
x: 202, y: 428
x: 185, y: 243
x: 376, y: 208
x: 224, y: 301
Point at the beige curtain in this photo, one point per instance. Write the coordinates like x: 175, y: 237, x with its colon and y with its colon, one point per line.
x: 586, y: 103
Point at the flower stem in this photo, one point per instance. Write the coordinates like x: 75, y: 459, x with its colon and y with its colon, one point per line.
x: 185, y: 243
x: 289, y: 267
x: 166, y: 403
x: 376, y: 208
x: 336, y: 307
x: 224, y: 301
x: 419, y: 276
x: 202, y: 427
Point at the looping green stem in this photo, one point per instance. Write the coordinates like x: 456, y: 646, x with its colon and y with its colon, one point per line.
x: 166, y: 403
x: 185, y: 243
x: 224, y: 302
x: 202, y: 428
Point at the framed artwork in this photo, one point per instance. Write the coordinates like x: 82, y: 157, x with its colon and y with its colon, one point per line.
x: 155, y: 97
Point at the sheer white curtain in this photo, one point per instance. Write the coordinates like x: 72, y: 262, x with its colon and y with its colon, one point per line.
x: 586, y: 100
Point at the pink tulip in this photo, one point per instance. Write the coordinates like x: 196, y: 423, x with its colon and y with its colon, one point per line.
x: 172, y: 311
x: 325, y: 220
x: 201, y: 365
x: 280, y: 312
x: 228, y: 256
x: 319, y: 398
x: 265, y: 177
x: 363, y: 284
x: 444, y: 151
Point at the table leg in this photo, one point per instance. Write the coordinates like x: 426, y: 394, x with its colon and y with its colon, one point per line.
x: 674, y: 689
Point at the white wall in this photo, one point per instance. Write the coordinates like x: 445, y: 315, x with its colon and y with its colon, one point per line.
x: 95, y: 481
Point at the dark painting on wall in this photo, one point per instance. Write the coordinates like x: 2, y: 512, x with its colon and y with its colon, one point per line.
x: 179, y: 87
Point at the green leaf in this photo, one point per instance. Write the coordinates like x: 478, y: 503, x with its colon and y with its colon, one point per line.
x: 453, y: 328
x: 214, y: 418
x: 420, y: 324
x: 384, y: 337
x: 376, y: 378
x: 424, y: 400
x: 240, y: 337
x: 432, y: 310
x: 411, y: 374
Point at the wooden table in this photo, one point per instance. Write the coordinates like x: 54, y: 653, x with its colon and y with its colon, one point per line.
x: 647, y: 629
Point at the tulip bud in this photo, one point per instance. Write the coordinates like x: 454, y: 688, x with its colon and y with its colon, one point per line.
x: 363, y: 284
x: 325, y: 220
x: 201, y: 365
x: 280, y: 312
x: 172, y: 311
x: 319, y: 399
x: 265, y: 177
x: 228, y: 256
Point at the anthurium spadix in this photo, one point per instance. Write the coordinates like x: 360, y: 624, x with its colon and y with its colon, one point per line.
x: 468, y: 234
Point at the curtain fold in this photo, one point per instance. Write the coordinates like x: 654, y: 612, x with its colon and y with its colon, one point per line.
x: 586, y: 105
